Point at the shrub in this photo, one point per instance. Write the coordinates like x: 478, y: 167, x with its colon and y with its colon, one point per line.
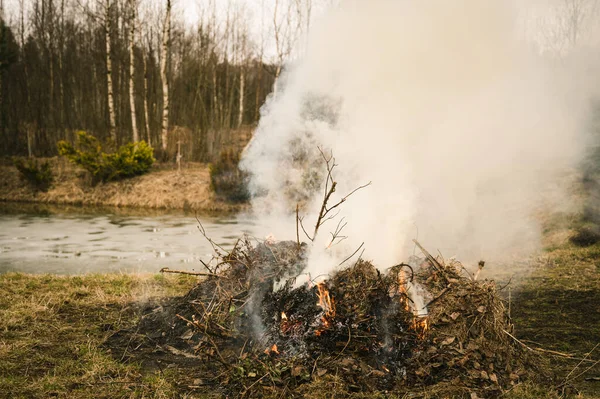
x: 129, y: 160
x: 38, y: 176
x: 226, y: 178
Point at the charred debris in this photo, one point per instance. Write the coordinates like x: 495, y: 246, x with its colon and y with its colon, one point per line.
x: 247, y: 329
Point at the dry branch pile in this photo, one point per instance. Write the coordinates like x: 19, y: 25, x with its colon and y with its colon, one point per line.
x: 250, y: 331
x: 256, y: 335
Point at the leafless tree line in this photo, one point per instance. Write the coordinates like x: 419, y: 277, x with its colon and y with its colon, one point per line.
x: 130, y: 70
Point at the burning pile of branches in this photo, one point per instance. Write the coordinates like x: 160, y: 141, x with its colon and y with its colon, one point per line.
x: 425, y: 324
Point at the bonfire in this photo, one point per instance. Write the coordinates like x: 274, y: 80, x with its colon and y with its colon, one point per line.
x: 426, y: 325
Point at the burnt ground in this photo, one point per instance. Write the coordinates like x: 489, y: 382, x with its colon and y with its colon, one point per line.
x: 55, y: 333
x: 452, y: 359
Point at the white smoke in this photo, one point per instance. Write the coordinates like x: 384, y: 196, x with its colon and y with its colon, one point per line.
x: 459, y: 123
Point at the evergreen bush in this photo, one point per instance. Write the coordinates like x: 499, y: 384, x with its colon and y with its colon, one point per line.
x: 226, y: 178
x: 129, y: 160
x: 38, y: 176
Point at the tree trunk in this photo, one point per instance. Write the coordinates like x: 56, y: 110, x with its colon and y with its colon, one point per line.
x: 258, y: 91
x: 109, y: 81
x: 241, y: 107
x: 134, y: 129
x: 276, y: 82
x: 61, y: 88
x: 215, y: 95
x: 146, y: 113
x: 163, y: 69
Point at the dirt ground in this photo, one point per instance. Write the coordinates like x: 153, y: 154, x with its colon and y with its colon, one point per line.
x: 163, y: 188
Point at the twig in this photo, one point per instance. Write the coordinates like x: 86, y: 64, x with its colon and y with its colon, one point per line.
x: 437, y: 298
x: 324, y: 215
x: 336, y: 234
x: 430, y: 258
x: 412, y: 271
x: 579, y: 375
x: 206, y: 266
x: 347, y: 343
x: 579, y: 364
x: 212, y: 243
x: 297, y: 226
x: 565, y: 355
x: 253, y: 384
x: 354, y: 253
x: 210, y: 340
x: 301, y: 219
x: 167, y: 270
x: 517, y: 340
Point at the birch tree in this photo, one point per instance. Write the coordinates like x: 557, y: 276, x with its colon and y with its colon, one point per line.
x: 164, y: 76
x: 133, y: 21
x: 109, y: 78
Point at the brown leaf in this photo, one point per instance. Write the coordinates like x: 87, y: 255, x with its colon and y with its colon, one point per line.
x: 484, y: 375
x: 347, y: 362
x: 494, y: 378
x: 298, y: 370
x: 455, y: 315
x: 378, y: 373
x: 321, y: 372
x: 481, y: 309
x: 448, y: 341
x: 513, y: 376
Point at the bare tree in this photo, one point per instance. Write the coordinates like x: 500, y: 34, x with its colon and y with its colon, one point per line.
x: 146, y: 113
x: 286, y: 32
x: 132, y: 22
x: 109, y: 79
x: 164, y: 75
x: 567, y: 24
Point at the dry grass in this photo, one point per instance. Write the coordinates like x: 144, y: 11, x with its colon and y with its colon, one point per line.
x: 163, y: 188
x: 52, y: 329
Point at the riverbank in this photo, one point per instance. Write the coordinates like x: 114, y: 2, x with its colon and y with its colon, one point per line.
x: 164, y: 187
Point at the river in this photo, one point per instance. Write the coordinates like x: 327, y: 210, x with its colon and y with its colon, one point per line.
x: 61, y: 240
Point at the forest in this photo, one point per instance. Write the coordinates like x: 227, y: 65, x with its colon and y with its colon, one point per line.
x: 130, y: 70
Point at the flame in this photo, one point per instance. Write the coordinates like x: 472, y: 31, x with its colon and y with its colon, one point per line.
x: 326, y: 303
x: 403, y: 290
x: 283, y: 316
x: 421, y: 326
x: 272, y: 349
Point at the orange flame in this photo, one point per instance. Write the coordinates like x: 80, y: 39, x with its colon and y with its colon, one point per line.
x: 326, y: 303
x: 272, y: 349
x: 421, y: 326
x: 402, y: 280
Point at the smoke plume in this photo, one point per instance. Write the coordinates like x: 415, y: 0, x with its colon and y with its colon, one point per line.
x: 462, y: 127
